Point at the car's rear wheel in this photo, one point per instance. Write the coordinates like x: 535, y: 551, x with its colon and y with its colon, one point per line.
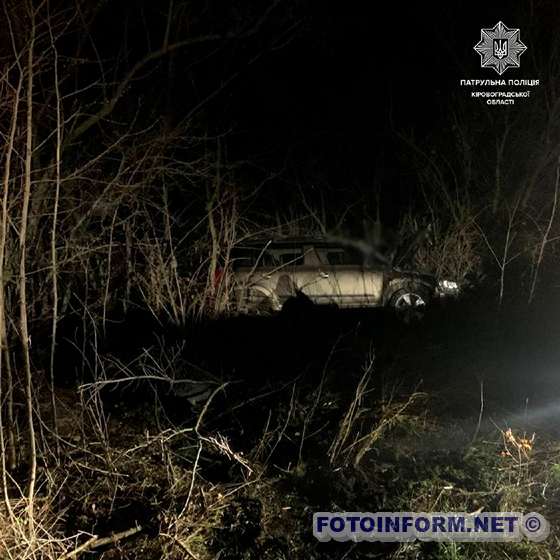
x: 410, y: 302
x: 260, y: 303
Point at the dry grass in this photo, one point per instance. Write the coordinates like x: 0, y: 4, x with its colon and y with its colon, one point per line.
x: 447, y: 249
x: 140, y: 463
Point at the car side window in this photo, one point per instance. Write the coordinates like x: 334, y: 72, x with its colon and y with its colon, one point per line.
x: 271, y: 257
x: 243, y: 257
x: 338, y: 256
x: 268, y: 259
x: 289, y: 257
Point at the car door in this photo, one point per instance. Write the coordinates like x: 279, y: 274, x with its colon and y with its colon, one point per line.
x: 312, y: 277
x: 288, y: 263
x: 350, y: 283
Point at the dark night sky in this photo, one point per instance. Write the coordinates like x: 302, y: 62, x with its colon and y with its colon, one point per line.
x: 325, y: 100
x: 352, y: 76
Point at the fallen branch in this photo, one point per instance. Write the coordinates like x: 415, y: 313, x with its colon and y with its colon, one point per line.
x: 96, y: 542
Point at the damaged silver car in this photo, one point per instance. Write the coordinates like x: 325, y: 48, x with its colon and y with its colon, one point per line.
x: 270, y: 273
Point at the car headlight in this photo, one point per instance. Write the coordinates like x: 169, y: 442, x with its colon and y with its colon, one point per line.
x: 448, y: 286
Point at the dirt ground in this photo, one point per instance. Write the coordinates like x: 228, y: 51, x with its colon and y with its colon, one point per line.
x: 220, y: 440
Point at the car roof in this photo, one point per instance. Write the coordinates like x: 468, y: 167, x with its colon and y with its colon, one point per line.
x: 285, y: 241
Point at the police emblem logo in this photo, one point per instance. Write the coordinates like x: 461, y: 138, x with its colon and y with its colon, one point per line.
x: 499, y: 48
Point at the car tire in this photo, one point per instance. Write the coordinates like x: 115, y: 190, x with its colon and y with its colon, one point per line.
x: 260, y: 304
x: 410, y: 302
x: 265, y: 306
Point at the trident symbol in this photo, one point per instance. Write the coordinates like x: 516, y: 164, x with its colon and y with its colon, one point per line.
x: 500, y: 48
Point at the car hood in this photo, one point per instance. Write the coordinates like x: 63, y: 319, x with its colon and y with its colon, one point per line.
x: 413, y: 275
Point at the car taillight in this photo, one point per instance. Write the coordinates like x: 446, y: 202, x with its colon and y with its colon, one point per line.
x: 218, y: 275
